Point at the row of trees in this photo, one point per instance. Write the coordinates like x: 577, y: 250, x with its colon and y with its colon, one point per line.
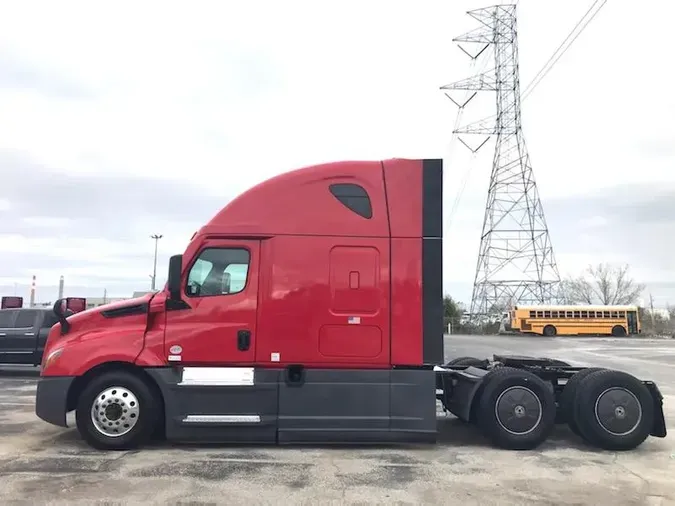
x: 602, y: 284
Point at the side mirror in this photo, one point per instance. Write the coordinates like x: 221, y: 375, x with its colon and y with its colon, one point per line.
x: 227, y: 279
x: 175, y: 270
x: 61, y: 311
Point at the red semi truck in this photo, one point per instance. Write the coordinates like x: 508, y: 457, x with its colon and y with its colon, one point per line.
x: 309, y: 309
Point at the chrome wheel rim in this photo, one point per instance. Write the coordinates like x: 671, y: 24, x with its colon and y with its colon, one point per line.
x: 115, y: 411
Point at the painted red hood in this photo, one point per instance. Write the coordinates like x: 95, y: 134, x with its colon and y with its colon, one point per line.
x: 111, y: 305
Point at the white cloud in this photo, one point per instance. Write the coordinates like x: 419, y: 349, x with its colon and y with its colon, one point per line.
x: 226, y: 94
x: 593, y: 222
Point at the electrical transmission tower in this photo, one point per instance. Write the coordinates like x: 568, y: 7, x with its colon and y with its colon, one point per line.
x: 515, y: 260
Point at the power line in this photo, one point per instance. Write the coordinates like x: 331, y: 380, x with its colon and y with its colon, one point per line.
x: 541, y: 74
x: 467, y: 173
x: 559, y: 47
x: 544, y: 70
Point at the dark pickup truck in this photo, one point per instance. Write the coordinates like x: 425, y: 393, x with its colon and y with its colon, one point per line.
x: 23, y: 332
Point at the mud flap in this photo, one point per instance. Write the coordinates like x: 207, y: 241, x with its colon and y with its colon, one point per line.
x: 659, y: 428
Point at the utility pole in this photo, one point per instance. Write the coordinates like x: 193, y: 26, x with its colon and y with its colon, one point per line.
x: 651, y: 310
x: 156, y: 237
x: 515, y: 259
x: 32, y: 293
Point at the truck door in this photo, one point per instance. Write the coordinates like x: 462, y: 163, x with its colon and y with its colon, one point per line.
x: 215, y: 390
x: 7, y: 317
x: 221, y: 289
x: 19, y: 336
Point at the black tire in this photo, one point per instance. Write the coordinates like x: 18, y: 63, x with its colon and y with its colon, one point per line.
x: 471, y: 361
x: 568, y: 396
x: 531, y: 393
x: 607, y: 428
x: 618, y: 331
x: 558, y: 363
x: 146, y: 408
x: 550, y: 331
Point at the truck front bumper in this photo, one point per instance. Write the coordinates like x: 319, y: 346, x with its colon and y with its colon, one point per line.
x: 51, y: 399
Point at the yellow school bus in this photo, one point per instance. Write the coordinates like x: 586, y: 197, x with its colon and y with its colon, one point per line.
x: 575, y: 320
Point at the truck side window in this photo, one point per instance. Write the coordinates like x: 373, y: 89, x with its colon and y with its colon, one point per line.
x: 218, y: 271
x: 353, y: 197
x: 6, y: 318
x: 49, y: 320
x: 25, y: 319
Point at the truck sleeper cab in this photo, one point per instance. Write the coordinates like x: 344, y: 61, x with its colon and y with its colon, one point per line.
x: 309, y: 309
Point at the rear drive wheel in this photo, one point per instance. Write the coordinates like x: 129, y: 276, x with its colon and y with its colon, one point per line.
x: 568, y: 396
x: 470, y: 361
x: 558, y: 363
x: 516, y: 410
x: 550, y: 331
x: 117, y: 411
x: 614, y: 410
x: 618, y: 331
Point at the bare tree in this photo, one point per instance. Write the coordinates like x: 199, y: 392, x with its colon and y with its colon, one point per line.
x: 602, y: 284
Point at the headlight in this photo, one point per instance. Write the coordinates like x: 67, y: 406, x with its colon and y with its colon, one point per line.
x: 52, y: 357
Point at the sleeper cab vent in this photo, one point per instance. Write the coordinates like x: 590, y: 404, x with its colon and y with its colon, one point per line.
x: 353, y: 197
x: 118, y: 312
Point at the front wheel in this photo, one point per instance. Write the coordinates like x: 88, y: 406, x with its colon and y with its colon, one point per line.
x: 117, y: 411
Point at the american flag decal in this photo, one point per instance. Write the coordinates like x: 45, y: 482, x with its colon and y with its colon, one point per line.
x: 354, y: 320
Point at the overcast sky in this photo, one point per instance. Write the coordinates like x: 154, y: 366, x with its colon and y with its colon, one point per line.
x: 147, y: 117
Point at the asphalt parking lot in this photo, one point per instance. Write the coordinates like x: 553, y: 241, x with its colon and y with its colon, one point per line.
x: 42, y: 464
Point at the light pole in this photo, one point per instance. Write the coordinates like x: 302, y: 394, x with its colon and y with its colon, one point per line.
x: 156, y: 237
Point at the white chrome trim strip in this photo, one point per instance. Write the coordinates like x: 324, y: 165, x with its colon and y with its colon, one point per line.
x: 217, y: 376
x: 222, y: 419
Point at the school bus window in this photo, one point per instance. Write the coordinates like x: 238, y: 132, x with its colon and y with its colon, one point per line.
x: 584, y: 314
x: 615, y: 314
x: 533, y: 314
x: 622, y: 314
x: 547, y: 314
x: 554, y: 314
x: 540, y: 314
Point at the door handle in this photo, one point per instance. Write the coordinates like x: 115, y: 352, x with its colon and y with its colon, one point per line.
x: 243, y: 340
